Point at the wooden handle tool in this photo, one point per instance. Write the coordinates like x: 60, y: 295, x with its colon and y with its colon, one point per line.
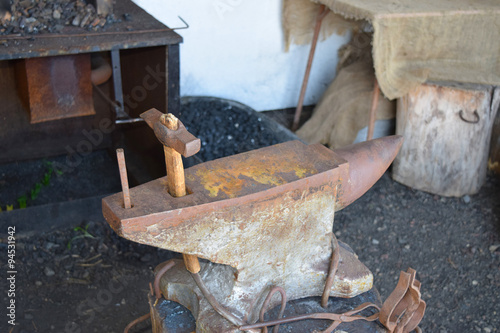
x: 176, y: 141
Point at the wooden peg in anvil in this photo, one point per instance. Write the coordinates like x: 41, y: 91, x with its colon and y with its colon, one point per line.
x: 176, y: 140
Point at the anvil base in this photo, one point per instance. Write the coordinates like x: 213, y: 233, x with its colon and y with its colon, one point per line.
x: 178, y: 285
x: 171, y: 317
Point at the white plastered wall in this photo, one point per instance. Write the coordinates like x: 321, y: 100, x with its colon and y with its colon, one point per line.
x: 234, y: 49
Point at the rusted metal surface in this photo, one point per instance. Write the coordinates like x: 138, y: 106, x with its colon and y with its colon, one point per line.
x: 177, y: 285
x: 136, y: 321
x: 123, y: 178
x: 332, y: 270
x: 337, y: 319
x: 265, y: 306
x: 118, y: 103
x: 142, y: 30
x: 368, y: 162
x: 246, y: 214
x: 401, y: 312
x: 373, y: 110
x: 323, y: 11
x: 404, y: 309
x: 183, y: 323
x: 180, y: 139
x: 58, y: 87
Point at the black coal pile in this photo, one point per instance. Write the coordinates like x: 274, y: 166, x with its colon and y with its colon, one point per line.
x: 226, y: 127
x: 36, y: 16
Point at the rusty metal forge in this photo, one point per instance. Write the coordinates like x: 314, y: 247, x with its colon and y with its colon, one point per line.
x: 261, y: 220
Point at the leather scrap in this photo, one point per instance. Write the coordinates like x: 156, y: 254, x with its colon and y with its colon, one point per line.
x: 403, y: 309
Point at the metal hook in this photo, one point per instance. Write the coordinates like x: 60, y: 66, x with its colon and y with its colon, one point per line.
x: 461, y: 115
x: 180, y: 28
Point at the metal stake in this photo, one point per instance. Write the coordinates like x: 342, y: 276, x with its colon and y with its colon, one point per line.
x: 123, y: 177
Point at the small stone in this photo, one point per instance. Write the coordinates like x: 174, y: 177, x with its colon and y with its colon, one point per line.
x: 50, y: 245
x: 123, y: 301
x: 495, y: 247
x: 466, y: 199
x: 85, y: 20
x: 487, y: 329
x: 490, y: 276
x: 402, y: 240
x: 49, y: 271
x: 38, y: 283
x: 57, y: 28
x: 22, y: 22
x: 6, y: 17
x: 375, y: 242
x: 102, y: 248
x: 475, y: 283
x: 145, y: 258
x: 76, y: 21
x: 56, y: 14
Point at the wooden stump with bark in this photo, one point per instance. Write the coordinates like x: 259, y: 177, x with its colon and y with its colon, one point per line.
x: 447, y: 133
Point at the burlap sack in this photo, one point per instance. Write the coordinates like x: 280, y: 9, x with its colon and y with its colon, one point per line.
x: 419, y: 41
x: 344, y: 108
x: 299, y: 19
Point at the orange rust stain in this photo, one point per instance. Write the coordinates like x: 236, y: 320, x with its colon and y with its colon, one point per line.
x: 231, y: 181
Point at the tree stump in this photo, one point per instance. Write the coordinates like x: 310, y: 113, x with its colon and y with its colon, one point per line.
x: 447, y: 133
x: 494, y: 160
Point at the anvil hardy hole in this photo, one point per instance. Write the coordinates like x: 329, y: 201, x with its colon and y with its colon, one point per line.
x: 188, y: 192
x: 131, y: 206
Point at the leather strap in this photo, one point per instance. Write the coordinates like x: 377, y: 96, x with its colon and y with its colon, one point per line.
x: 404, y: 309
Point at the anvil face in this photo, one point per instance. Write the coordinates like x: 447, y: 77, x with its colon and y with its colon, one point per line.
x: 262, y: 218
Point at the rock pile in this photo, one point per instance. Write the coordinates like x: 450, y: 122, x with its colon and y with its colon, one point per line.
x: 35, y: 16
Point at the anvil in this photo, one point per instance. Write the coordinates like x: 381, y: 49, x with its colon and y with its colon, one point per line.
x: 262, y: 218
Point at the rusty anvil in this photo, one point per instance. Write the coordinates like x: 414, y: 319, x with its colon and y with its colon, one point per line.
x: 262, y: 218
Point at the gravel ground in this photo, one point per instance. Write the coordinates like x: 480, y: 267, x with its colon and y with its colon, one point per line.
x: 89, y: 280
x: 453, y: 243
x: 100, y: 283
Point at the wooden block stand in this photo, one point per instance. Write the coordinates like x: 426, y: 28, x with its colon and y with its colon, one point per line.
x: 447, y: 131
x: 494, y: 159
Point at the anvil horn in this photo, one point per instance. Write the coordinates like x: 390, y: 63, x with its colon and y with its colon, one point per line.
x: 367, y: 163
